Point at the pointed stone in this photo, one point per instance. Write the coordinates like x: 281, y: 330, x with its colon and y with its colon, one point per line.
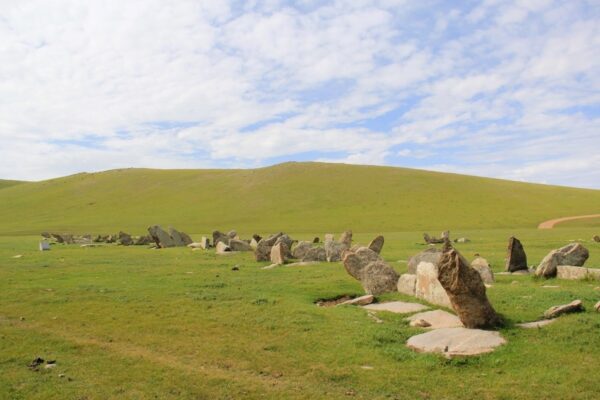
x: 377, y: 244
x: 516, y: 259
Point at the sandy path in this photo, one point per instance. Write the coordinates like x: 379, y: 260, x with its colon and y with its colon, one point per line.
x: 550, y: 224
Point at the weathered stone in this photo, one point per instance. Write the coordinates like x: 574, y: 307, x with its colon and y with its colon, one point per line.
x: 461, y: 240
x: 596, y: 238
x: 428, y: 287
x: 57, y: 237
x: 362, y: 257
x: 430, y: 255
x: 220, y: 237
x: 516, y: 259
x: 195, y: 245
x: 445, y: 235
x: 257, y: 237
x: 44, y: 245
x: 466, y: 291
x: 186, y: 238
x: 570, y: 272
x: 68, y: 239
x: 301, y: 249
x: 375, y: 276
x: 547, y: 267
x: 329, y: 237
x: 485, y: 271
x: 535, y: 324
x: 222, y: 248
x: 263, y: 251
x: 124, y: 239
x: 142, y: 240
x: 205, y: 243
x: 407, y: 284
x: 254, y: 244
x: 420, y: 323
x: 346, y: 239
x: 377, y: 244
x: 316, y: 240
x: 359, y: 301
x: 232, y: 234
x: 239, y: 245
x: 271, y: 240
x: 555, y: 311
x: 597, y: 306
x: 437, y: 319
x: 176, y: 236
x: 574, y: 254
x: 288, y: 242
x: 431, y: 240
x: 456, y: 341
x: 45, y: 235
x: 398, y: 307
x: 278, y: 253
x: 315, y: 254
x: 334, y: 250
x: 160, y: 237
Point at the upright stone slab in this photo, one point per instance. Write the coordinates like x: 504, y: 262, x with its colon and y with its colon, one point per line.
x: 222, y: 248
x: 516, y: 259
x: 254, y: 243
x: 482, y: 266
x: 220, y: 237
x: 205, y: 243
x: 160, y: 237
x: 466, y: 291
x: 300, y: 250
x: 407, y: 284
x: 44, y: 245
x: 428, y: 287
x: 377, y: 244
x: 176, y: 236
x: 430, y: 255
x: 278, y: 253
x: 346, y: 239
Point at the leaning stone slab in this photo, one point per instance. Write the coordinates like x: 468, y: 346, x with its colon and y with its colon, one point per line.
x: 239, y: 245
x: 466, y: 291
x: 570, y: 272
x: 398, y: 307
x: 407, y: 284
x: 375, y: 276
x: 377, y: 244
x: 452, y: 342
x: 516, y: 259
x: 359, y: 301
x: 555, y: 311
x: 437, y: 319
x: 428, y: 287
x: 176, y: 236
x: 160, y: 237
x: 536, y: 324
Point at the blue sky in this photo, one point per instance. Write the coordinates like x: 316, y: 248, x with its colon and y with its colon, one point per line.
x: 506, y: 89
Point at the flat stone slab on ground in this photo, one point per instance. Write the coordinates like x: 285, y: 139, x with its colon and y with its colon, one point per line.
x: 456, y: 341
x: 437, y: 319
x: 536, y: 324
x: 399, y: 307
x: 360, y: 301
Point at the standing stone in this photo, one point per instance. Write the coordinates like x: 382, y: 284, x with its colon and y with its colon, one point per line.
x: 430, y: 255
x: 407, y: 284
x: 254, y: 243
x: 232, y: 234
x: 278, y: 253
x: 315, y: 254
x: 176, y: 236
x: 516, y: 259
x: 44, y: 245
x: 346, y: 239
x: 220, y: 237
x: 205, y: 243
x: 239, y: 245
x: 555, y: 311
x: 316, y: 240
x: 160, y: 237
x: 428, y: 286
x: 222, y: 248
x: 485, y: 271
x: 597, y: 306
x: 186, y: 238
x: 377, y: 244
x: 288, y: 242
x: 334, y: 250
x: 375, y: 276
x: 329, y: 237
x: 466, y: 291
x: 301, y: 249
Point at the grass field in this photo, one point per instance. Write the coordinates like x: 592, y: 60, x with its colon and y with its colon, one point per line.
x: 133, y: 323
x: 8, y: 183
x: 297, y: 197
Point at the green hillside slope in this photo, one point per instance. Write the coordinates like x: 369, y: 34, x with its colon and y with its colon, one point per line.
x: 7, y: 183
x: 295, y: 197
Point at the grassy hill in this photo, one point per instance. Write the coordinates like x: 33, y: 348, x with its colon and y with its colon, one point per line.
x: 8, y: 183
x: 295, y: 197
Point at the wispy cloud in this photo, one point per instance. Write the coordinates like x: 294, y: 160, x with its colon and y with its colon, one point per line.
x: 508, y: 89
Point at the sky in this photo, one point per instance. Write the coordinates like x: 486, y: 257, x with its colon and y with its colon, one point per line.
x: 505, y: 89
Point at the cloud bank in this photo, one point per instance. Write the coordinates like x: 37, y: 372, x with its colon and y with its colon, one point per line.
x: 508, y: 89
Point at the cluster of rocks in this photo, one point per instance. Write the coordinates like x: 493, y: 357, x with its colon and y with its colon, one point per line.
x: 572, y: 256
x: 65, y: 238
x: 124, y: 239
x: 173, y: 238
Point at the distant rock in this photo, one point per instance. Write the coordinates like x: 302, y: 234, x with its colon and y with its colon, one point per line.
x: 430, y: 255
x: 220, y: 237
x: 233, y: 234
x: 516, y: 259
x: 377, y: 244
x: 573, y: 254
x: 596, y: 238
x: 316, y: 240
x: 278, y: 253
x: 334, y: 250
x: 142, y: 240
x: 329, y: 237
x: 222, y: 248
x: 263, y: 248
x: 257, y: 237
x: 315, y: 254
x: 462, y: 240
x: 300, y: 250
x: 466, y: 291
x: 124, y: 239
x: 239, y: 245
x: 160, y: 237
x: 346, y: 239
x: 485, y: 271
x: 176, y: 236
x: 555, y: 311
x: 205, y: 243
x: 253, y: 243
x: 597, y: 306
x: 186, y: 238
x: 44, y: 245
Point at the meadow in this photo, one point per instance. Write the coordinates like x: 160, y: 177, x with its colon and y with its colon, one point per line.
x: 134, y: 323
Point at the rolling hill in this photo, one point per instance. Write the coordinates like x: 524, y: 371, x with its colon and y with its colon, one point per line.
x: 294, y: 197
x: 8, y: 183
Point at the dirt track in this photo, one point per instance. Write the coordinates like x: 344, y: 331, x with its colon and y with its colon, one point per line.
x: 550, y: 224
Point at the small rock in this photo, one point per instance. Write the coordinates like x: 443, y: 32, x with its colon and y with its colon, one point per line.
x: 367, y: 367
x: 278, y: 253
x: 462, y: 240
x: 555, y: 311
x: 597, y: 306
x: 377, y: 244
x: 360, y: 301
x: 316, y: 240
x: 222, y: 248
x: 18, y: 256
x: 235, y: 268
x: 48, y: 366
x: 36, y: 362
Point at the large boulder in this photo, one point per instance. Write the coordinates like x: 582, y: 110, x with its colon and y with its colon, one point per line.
x: 466, y: 291
x: 482, y: 266
x: 377, y: 244
x: 300, y: 250
x: 176, y: 236
x: 428, y: 287
x: 160, y: 237
x: 430, y: 255
x: 573, y: 254
x: 374, y: 274
x: 239, y: 245
x: 516, y: 259
x: 315, y: 254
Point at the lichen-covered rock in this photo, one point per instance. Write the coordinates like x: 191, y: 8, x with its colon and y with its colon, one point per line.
x: 407, y: 284
x: 315, y: 254
x: 160, y: 237
x: 278, y: 254
x: 301, y: 249
x: 239, y: 245
x: 430, y: 255
x: 485, y: 271
x: 516, y: 259
x: 375, y: 276
x: 377, y: 244
x: 466, y: 291
x: 220, y: 237
x: 573, y: 254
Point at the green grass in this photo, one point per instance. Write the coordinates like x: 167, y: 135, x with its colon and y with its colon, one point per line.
x: 299, y: 197
x: 581, y: 223
x: 8, y: 183
x: 133, y: 323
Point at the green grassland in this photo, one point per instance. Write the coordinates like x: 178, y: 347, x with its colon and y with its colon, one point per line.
x: 134, y: 323
x: 580, y: 223
x: 297, y: 197
x: 8, y: 183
